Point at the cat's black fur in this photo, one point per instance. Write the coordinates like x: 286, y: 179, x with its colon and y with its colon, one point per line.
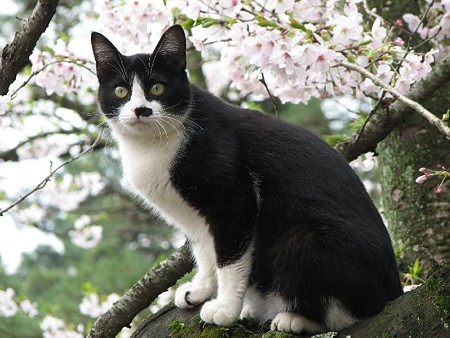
x: 264, y: 183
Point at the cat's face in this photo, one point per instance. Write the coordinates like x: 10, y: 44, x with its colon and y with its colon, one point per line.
x: 143, y: 94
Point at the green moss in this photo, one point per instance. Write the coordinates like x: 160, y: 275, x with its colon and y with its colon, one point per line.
x: 437, y: 290
x: 201, y: 330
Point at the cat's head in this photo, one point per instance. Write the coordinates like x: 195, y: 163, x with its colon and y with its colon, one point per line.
x: 143, y: 94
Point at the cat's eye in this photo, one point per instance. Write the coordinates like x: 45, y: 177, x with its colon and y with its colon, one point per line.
x: 120, y: 92
x: 157, y: 89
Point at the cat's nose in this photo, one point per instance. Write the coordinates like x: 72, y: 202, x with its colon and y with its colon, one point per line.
x: 143, y: 111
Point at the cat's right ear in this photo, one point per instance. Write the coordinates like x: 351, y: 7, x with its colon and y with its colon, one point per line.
x: 107, y: 57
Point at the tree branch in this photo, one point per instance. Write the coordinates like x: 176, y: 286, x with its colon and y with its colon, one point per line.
x: 382, y: 123
x: 157, y: 280
x: 16, y: 54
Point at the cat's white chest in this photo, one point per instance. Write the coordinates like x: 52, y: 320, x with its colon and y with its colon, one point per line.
x: 147, y: 168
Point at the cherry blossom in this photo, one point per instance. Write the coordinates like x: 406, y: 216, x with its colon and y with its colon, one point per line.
x: 8, y: 306
x: 4, y: 106
x: 230, y: 7
x: 54, y: 327
x: 92, y: 306
x: 280, y: 6
x: 85, y: 235
x: 29, y: 308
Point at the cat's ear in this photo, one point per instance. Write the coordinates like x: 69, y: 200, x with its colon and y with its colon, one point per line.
x: 171, y: 48
x: 107, y: 57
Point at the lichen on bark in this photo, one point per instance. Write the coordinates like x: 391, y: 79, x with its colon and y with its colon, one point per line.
x: 417, y: 216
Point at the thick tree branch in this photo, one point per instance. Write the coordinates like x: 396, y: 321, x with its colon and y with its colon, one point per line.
x: 157, y: 280
x: 16, y: 54
x: 383, y: 122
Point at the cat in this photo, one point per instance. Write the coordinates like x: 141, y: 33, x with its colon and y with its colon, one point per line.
x: 280, y: 226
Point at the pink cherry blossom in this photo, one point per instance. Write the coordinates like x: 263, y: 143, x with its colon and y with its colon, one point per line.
x: 280, y: 6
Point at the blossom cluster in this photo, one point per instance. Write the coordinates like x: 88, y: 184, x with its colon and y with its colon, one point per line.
x: 85, y: 235
x: 69, y: 191
x: 54, y: 327
x: 9, y: 307
x: 427, y: 173
x: 92, y: 306
x: 62, y: 74
x: 4, y: 103
x: 297, y: 45
x: 435, y: 26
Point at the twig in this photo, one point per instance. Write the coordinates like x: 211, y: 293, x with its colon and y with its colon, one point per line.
x: 272, y: 99
x: 370, y: 12
x: 141, y: 295
x: 439, y: 124
x: 47, y: 179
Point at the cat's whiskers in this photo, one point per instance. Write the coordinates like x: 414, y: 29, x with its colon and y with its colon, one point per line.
x: 165, y: 133
x: 168, y: 120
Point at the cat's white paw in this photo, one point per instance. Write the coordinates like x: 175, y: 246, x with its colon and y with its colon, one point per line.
x: 189, y: 295
x: 220, y: 313
x: 294, y: 323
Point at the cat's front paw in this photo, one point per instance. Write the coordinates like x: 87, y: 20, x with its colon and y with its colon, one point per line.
x: 190, y: 295
x: 220, y: 313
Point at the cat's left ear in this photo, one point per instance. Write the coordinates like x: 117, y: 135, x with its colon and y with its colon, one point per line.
x: 171, y: 48
x: 107, y: 57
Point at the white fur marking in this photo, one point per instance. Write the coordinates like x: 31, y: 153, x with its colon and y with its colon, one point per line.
x: 232, y: 285
x: 146, y: 165
x: 338, y: 317
x: 256, y: 181
x: 204, y: 283
x: 262, y: 307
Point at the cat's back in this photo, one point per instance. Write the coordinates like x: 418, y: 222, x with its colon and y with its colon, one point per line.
x: 289, y: 162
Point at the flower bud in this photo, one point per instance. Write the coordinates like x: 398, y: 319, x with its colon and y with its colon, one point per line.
x: 421, y: 179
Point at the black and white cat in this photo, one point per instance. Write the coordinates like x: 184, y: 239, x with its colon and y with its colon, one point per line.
x: 280, y: 226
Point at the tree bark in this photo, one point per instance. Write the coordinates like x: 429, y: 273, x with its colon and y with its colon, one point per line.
x: 15, y: 55
x: 416, y: 214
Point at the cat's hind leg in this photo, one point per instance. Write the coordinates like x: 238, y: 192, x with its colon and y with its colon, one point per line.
x: 204, y: 284
x: 290, y: 322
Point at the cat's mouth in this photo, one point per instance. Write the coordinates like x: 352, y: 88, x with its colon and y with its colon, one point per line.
x: 139, y: 121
